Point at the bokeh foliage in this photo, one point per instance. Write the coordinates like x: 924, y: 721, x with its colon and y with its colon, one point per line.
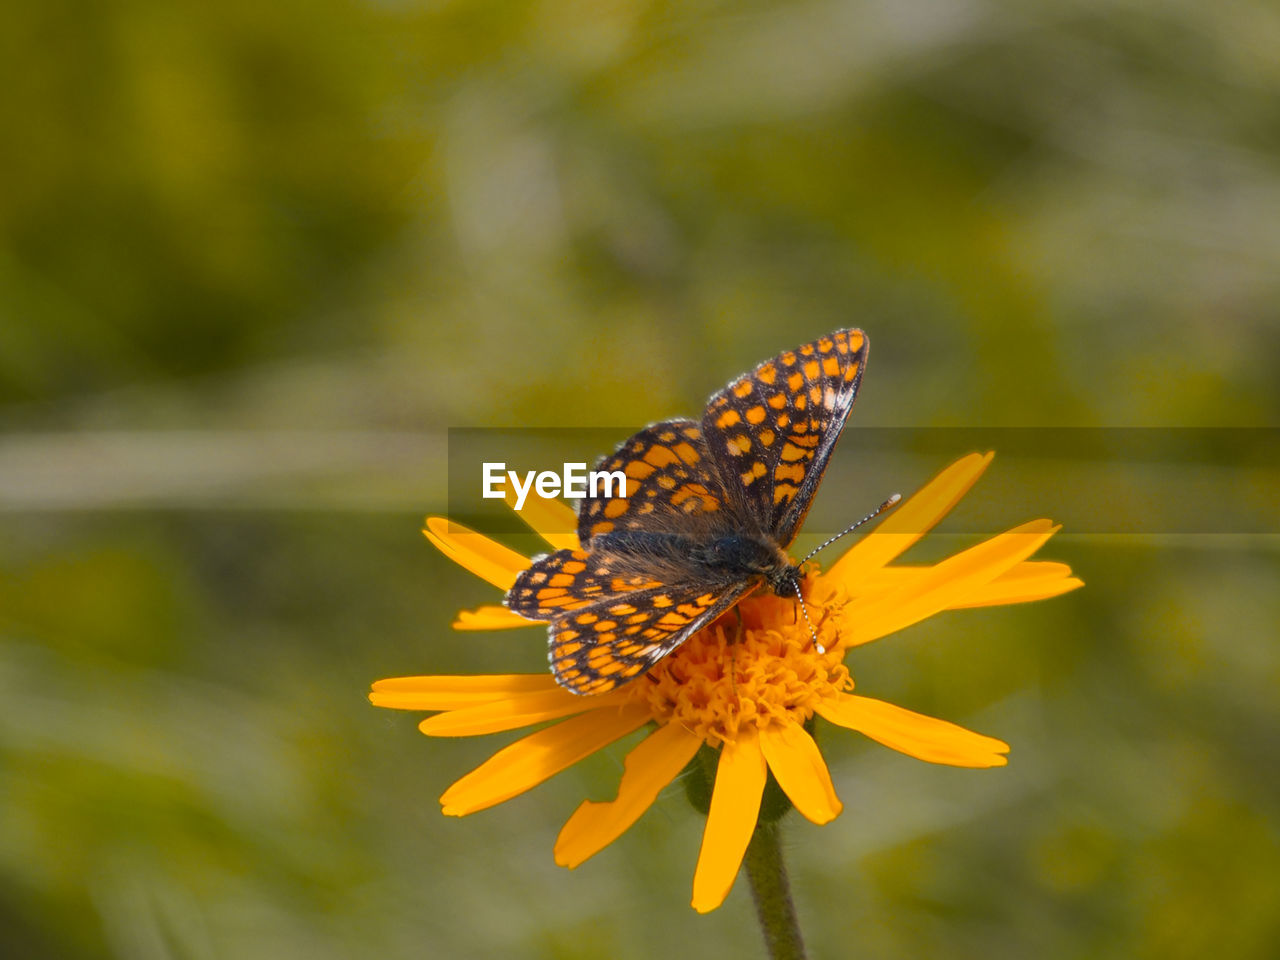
x: 256, y: 258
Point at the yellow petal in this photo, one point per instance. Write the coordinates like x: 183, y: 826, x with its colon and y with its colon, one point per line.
x: 539, y: 756
x: 950, y: 583
x: 913, y: 733
x: 798, y: 767
x: 492, y: 617
x: 1029, y: 580
x: 486, y: 559
x: 735, y: 805
x: 549, y: 519
x: 451, y: 693
x: 911, y: 520
x: 883, y: 579
x: 521, y: 710
x: 649, y: 767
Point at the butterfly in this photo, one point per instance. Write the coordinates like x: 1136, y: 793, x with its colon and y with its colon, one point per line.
x: 709, y: 510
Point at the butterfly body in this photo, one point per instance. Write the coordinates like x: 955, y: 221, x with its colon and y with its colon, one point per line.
x: 739, y: 555
x: 730, y: 559
x: 709, y: 511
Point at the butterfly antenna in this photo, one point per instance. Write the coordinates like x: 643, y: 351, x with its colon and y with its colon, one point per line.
x: 870, y: 516
x: 805, y: 610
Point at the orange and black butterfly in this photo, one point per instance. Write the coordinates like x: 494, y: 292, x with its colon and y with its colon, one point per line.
x: 709, y: 510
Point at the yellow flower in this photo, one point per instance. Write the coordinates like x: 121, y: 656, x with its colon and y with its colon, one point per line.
x: 747, y: 692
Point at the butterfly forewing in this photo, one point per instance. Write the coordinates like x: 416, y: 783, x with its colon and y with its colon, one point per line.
x: 671, y: 485
x: 771, y: 431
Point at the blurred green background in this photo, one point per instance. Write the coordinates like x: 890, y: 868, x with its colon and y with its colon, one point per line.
x: 256, y: 258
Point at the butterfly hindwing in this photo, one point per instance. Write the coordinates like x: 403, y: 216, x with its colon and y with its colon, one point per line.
x: 770, y: 433
x: 568, y: 580
x: 606, y: 643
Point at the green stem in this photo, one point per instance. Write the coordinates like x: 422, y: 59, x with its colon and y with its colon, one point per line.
x: 772, y: 894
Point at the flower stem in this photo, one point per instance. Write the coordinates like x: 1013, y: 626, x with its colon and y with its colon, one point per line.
x: 772, y: 894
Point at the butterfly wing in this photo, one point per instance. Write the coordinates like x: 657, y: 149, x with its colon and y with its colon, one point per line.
x: 568, y: 580
x: 606, y: 643
x: 671, y: 486
x: 770, y: 433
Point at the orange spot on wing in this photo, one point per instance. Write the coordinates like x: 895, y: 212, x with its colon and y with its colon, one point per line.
x: 791, y: 452
x: 686, y: 453
x: 789, y: 471
x: 784, y: 491
x: 660, y: 456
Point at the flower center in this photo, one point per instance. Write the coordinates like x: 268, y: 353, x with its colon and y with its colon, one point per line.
x: 762, y: 671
